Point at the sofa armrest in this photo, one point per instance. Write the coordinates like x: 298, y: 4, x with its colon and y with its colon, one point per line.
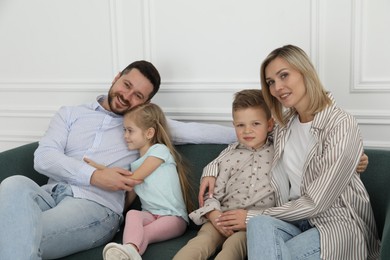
x: 20, y: 161
x: 376, y: 180
x: 385, y: 241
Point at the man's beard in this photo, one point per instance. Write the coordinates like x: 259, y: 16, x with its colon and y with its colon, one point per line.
x: 110, y: 100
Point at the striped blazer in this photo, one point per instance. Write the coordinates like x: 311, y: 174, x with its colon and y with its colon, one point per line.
x: 333, y: 198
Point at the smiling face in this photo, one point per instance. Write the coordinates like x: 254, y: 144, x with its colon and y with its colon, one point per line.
x: 252, y: 126
x: 127, y: 91
x: 287, y: 85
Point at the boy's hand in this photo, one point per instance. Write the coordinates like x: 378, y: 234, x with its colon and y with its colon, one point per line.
x: 213, y: 216
x: 233, y: 220
x: 207, y: 182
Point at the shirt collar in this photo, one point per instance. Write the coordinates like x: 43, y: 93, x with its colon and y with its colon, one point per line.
x: 97, y: 105
x: 238, y: 145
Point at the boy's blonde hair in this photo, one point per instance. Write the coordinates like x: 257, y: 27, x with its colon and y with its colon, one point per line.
x: 299, y: 61
x: 150, y: 115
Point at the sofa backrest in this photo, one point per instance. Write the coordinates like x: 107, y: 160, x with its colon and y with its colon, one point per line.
x: 198, y: 156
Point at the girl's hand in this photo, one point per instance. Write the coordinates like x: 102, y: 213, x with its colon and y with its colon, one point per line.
x: 94, y: 164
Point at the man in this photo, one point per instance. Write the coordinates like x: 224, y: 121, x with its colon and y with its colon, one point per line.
x: 81, y: 207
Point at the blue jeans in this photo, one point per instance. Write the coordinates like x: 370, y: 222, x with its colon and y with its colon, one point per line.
x: 35, y: 224
x: 270, y: 238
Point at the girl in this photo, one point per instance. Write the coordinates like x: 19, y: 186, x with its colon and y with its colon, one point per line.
x: 164, y: 192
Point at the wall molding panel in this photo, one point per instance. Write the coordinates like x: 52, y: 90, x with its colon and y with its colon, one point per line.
x: 372, y: 117
x: 56, y: 54
x: 116, y: 29
x: 27, y: 112
x: 315, y: 37
x: 147, y: 29
x: 21, y: 137
x: 54, y: 86
x: 381, y: 145
x: 206, y: 86
x: 358, y: 42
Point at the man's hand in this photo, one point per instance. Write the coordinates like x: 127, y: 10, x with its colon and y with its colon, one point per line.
x: 233, y: 220
x: 213, y: 216
x: 207, y: 182
x: 112, y: 179
x: 363, y: 163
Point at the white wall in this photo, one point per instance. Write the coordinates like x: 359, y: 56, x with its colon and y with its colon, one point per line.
x: 55, y: 53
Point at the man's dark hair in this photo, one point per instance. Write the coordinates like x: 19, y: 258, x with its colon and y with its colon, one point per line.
x: 149, y: 71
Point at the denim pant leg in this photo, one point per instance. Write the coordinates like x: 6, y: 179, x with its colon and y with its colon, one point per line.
x: 269, y: 238
x: 305, y: 246
x: 75, y: 224
x: 33, y: 226
x: 21, y: 204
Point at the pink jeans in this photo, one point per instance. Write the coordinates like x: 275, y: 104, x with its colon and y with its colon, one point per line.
x: 143, y: 228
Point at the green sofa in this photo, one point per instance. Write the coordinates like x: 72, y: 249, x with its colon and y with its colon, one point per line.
x: 19, y: 161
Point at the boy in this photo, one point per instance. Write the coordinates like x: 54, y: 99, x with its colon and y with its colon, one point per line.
x: 242, y: 183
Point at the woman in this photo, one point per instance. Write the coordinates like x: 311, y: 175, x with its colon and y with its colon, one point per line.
x: 322, y: 208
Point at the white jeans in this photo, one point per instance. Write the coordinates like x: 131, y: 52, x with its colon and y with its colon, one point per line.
x: 35, y: 224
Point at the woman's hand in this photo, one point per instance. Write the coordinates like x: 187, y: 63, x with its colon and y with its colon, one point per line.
x: 207, y: 183
x: 213, y: 216
x: 233, y: 220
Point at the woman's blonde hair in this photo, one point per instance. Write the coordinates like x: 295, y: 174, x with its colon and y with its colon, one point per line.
x: 299, y: 61
x: 150, y: 115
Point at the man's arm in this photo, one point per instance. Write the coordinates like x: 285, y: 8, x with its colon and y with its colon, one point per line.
x: 50, y: 158
x: 200, y: 133
x: 111, y: 178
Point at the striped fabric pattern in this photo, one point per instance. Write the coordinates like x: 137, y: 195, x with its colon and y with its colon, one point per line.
x: 333, y: 197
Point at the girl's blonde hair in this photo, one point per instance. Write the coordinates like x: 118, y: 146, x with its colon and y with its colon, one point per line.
x: 299, y: 61
x: 150, y: 115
